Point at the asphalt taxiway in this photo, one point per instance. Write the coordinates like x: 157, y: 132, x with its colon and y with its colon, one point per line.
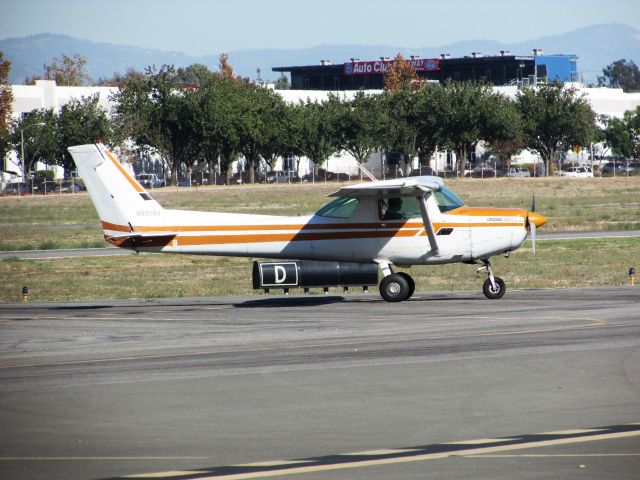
x: 542, y: 383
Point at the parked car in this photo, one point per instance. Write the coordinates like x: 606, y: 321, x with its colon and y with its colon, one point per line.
x: 620, y: 168
x: 280, y: 177
x: 150, y: 180
x: 518, y: 172
x: 16, y: 188
x: 312, y: 178
x: 576, y: 172
x: 72, y: 187
x: 483, y: 170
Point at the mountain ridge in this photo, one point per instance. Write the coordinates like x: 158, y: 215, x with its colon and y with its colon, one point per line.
x: 596, y: 46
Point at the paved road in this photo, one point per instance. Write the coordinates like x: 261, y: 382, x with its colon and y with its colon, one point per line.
x: 540, y: 384
x: 108, y: 251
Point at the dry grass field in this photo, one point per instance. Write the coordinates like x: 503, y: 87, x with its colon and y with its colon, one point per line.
x: 69, y: 221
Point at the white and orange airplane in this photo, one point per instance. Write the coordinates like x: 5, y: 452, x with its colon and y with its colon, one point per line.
x: 404, y: 222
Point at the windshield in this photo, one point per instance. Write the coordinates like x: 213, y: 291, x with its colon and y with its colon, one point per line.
x: 341, y: 207
x: 447, y: 200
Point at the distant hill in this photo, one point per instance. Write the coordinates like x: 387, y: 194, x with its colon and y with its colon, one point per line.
x: 596, y: 47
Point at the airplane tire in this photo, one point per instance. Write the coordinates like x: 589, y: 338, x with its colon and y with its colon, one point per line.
x: 394, y: 288
x: 494, y: 293
x: 411, y: 282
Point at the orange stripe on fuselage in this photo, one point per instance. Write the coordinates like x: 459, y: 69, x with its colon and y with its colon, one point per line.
x: 309, y: 226
x: 489, y: 212
x: 293, y: 233
x: 129, y: 178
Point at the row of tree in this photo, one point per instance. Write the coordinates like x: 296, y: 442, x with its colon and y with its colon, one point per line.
x: 223, y: 117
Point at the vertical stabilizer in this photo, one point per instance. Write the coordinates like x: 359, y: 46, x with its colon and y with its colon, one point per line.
x: 120, y: 200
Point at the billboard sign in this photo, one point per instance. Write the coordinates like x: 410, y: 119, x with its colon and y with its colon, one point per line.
x: 379, y: 67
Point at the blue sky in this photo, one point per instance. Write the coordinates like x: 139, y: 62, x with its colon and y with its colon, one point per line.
x: 200, y: 27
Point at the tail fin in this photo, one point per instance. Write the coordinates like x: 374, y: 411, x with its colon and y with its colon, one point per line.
x: 120, y: 200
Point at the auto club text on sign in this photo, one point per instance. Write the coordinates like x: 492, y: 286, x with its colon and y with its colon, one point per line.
x: 381, y: 66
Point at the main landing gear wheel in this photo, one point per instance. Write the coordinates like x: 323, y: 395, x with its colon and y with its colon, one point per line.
x: 494, y: 291
x: 412, y: 284
x: 396, y: 287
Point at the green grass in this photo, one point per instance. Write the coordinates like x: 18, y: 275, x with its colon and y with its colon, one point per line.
x: 557, y: 264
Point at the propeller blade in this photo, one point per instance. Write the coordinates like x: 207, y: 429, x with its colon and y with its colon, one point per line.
x: 533, y: 227
x: 533, y: 203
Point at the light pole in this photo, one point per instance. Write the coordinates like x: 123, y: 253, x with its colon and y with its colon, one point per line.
x: 24, y: 163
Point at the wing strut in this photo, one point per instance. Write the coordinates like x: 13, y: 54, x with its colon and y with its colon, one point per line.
x: 428, y: 226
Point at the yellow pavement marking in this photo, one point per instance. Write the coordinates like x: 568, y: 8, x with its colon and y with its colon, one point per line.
x: 481, y: 441
x: 560, y: 455
x: 383, y: 452
x: 29, y: 459
x: 418, y: 458
x: 573, y: 432
x: 272, y: 463
x: 174, y: 473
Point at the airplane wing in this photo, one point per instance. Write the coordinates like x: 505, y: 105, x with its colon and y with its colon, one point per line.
x: 404, y: 186
x: 420, y: 187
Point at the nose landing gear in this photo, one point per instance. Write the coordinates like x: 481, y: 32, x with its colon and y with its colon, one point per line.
x: 493, y: 287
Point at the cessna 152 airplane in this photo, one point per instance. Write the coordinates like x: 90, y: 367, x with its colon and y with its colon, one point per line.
x: 378, y: 224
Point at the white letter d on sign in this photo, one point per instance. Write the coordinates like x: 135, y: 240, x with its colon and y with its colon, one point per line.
x: 280, y: 273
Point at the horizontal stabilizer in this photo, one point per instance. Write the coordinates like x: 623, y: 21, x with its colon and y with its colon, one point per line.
x: 136, y: 240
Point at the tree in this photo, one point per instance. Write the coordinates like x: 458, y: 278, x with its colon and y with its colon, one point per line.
x: 430, y: 108
x: 226, y: 70
x: 621, y: 74
x: 259, y: 124
x: 196, y: 74
x: 400, y: 75
x: 213, y: 123
x: 316, y: 129
x: 402, y: 128
x: 358, y: 124
x: 118, y: 79
x: 35, y: 135
x: 554, y: 120
x: 80, y: 122
x: 282, y: 83
x: 502, y: 128
x: 505, y: 149
x: 6, y: 99
x: 157, y: 115
x: 68, y: 71
x: 622, y: 135
x: 464, y: 111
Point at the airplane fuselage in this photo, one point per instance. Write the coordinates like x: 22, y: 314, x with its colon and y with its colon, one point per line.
x: 464, y: 234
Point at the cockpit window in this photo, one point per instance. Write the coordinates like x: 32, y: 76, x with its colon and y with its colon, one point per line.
x: 447, y: 200
x: 341, y: 207
x: 398, y: 208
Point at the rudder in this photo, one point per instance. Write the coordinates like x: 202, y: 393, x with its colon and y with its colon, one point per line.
x: 121, y: 202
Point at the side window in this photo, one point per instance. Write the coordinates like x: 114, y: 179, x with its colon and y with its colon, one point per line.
x: 398, y: 208
x: 341, y: 207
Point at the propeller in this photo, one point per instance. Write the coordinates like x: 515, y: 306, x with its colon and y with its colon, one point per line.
x: 534, y: 220
x: 532, y: 225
